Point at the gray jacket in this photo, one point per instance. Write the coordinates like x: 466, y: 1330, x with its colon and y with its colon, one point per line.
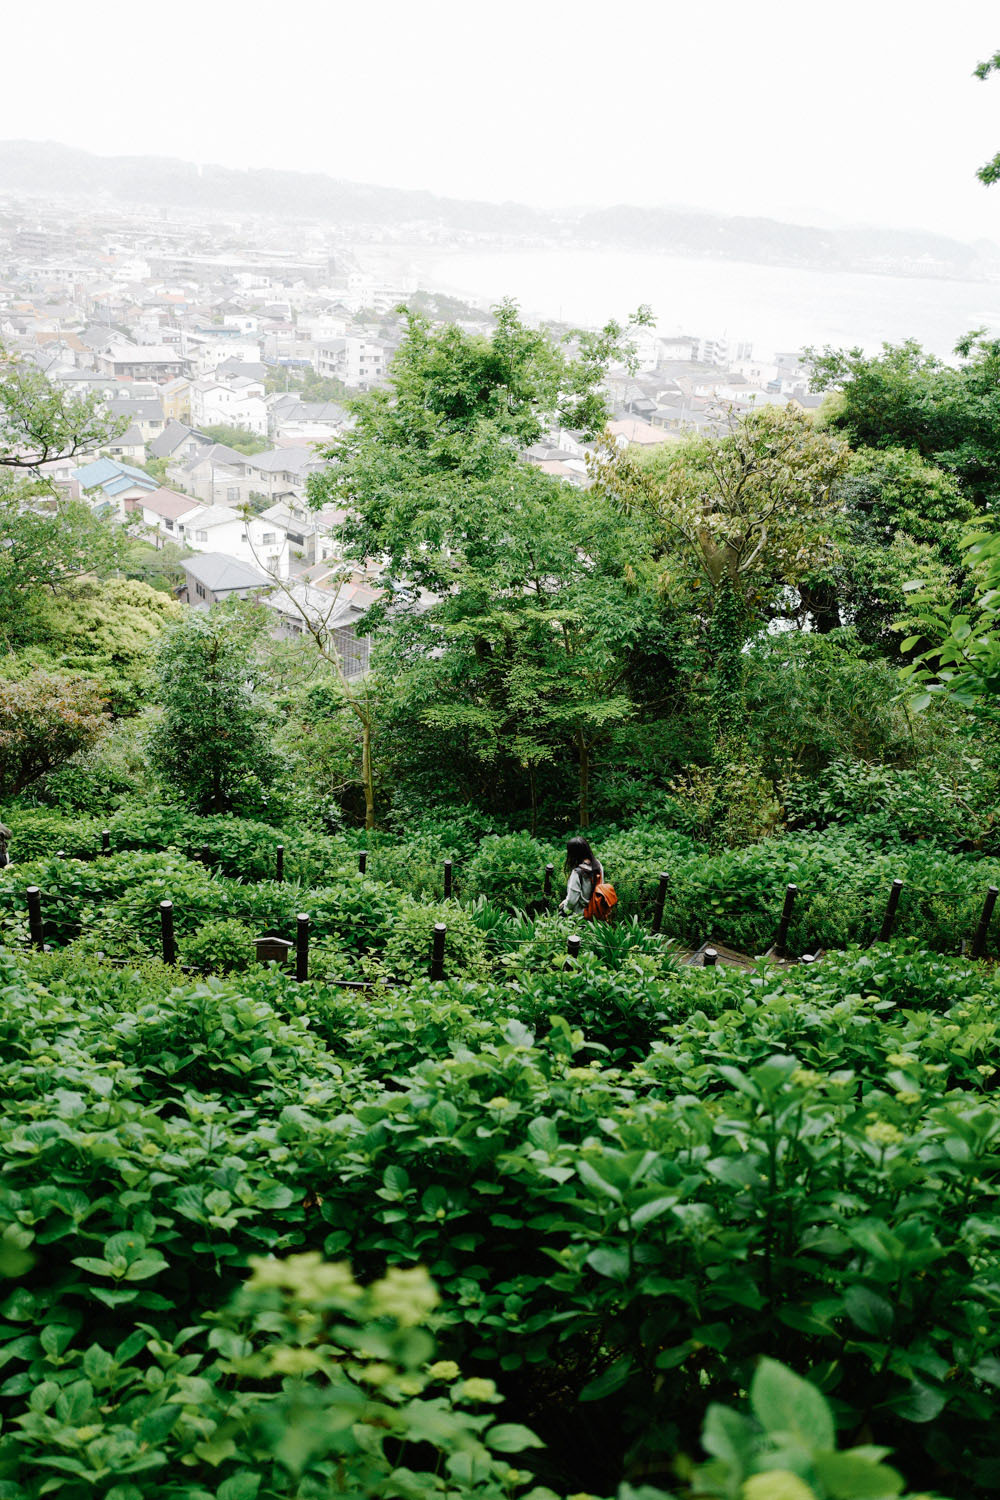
x: 579, y: 888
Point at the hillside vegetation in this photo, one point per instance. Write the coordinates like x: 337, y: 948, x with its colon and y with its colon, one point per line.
x: 562, y: 1222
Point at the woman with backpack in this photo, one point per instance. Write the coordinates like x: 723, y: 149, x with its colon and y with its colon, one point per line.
x: 585, y: 877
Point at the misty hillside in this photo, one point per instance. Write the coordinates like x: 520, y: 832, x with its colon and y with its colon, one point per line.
x: 46, y: 169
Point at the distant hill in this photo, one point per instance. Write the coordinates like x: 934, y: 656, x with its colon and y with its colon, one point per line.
x: 46, y: 169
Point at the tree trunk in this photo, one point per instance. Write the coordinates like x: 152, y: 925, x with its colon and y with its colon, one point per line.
x: 584, y: 750
x: 727, y: 634
x: 366, y: 773
x: 533, y: 784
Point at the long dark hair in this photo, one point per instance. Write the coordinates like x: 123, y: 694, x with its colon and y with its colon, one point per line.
x: 577, y: 851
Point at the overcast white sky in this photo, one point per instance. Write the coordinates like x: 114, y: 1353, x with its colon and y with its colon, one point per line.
x: 861, y: 112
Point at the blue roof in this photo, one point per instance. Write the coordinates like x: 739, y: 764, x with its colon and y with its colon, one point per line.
x: 112, y: 476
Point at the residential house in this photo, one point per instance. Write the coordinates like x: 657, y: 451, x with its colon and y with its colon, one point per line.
x: 213, y: 576
x: 635, y: 431
x: 238, y: 402
x: 155, y: 362
x: 295, y: 421
x: 252, y: 540
x: 108, y: 484
x: 231, y: 368
x: 282, y: 471
x: 130, y: 446
x: 178, y: 442
x: 161, y: 513
x: 300, y: 608
x: 309, y: 532
x: 144, y: 413
x: 175, y: 396
x: 215, y: 473
x: 358, y: 361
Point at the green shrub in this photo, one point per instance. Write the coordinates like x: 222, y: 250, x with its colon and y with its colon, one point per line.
x: 509, y: 870
x: 407, y: 951
x: 222, y: 947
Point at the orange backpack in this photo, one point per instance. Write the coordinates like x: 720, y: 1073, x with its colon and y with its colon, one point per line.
x: 603, y: 900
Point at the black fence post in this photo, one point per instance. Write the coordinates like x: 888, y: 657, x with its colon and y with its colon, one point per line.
x: 363, y: 862
x: 572, y: 949
x: 167, y: 943
x: 437, y: 950
x: 61, y: 854
x: 781, y: 941
x: 206, y: 855
x: 105, y: 840
x: 661, y: 896
x: 447, y: 879
x: 889, y: 920
x: 302, y: 947
x: 711, y: 958
x: 279, y: 863
x: 979, y: 941
x: 35, y: 927
x: 550, y: 870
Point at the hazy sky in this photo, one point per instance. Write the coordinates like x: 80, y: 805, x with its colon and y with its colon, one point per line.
x: 865, y: 111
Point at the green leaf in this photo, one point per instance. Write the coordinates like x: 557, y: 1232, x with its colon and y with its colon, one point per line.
x: 612, y: 1379
x: 511, y: 1437
x: 987, y: 1369
x: 142, y: 1270
x: 849, y: 1476
x: 729, y: 1436
x: 94, y: 1264
x: 593, y: 1179
x: 608, y: 1261
x: 646, y: 1212
x: 921, y: 1403
x: 785, y: 1403
x: 97, y: 1364
x: 156, y: 1424
x: 444, y: 1117
x: 241, y: 1486
x: 55, y: 1337
x: 868, y: 1311
x: 75, y: 1402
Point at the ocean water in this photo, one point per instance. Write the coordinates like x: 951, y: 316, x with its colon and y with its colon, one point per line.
x: 772, y: 307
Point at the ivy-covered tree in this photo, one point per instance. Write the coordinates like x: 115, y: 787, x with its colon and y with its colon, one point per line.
x: 213, y: 744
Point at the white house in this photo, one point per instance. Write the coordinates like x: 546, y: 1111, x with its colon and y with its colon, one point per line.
x: 237, y: 403
x: 252, y: 540
x: 309, y: 532
x: 161, y: 513
x: 357, y: 361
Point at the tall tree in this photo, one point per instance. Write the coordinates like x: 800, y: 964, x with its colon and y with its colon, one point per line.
x: 907, y: 398
x: 213, y: 743
x: 738, y: 518
x: 485, y: 558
